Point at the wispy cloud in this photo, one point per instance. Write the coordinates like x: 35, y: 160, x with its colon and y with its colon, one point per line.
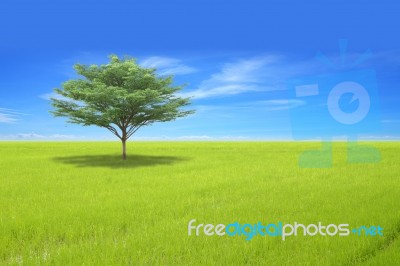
x: 242, y: 71
x: 267, y: 105
x: 9, y: 115
x: 35, y: 136
x: 167, y: 65
x: 259, y: 74
x: 241, y: 76
x: 7, y: 118
x: 48, y: 96
x: 283, y: 104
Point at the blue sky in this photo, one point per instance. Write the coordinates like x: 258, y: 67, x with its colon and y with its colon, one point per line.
x: 239, y: 60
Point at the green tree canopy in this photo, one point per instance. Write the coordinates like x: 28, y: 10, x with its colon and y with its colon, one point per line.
x: 120, y: 96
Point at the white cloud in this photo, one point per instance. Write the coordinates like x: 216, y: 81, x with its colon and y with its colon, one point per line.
x: 9, y: 115
x: 283, y: 104
x: 7, y: 118
x: 267, y: 105
x: 235, y: 78
x: 221, y: 90
x: 177, y: 70
x: 167, y: 65
x: 48, y: 96
x: 35, y: 136
x: 159, y: 62
x: 242, y: 71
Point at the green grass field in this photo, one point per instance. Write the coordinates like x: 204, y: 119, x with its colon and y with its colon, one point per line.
x: 79, y: 203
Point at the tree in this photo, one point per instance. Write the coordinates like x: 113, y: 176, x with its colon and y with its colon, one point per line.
x: 120, y: 96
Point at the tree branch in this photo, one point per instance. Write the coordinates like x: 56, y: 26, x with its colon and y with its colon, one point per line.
x: 133, y: 129
x: 114, y: 131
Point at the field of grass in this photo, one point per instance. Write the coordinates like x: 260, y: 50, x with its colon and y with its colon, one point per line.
x: 79, y: 203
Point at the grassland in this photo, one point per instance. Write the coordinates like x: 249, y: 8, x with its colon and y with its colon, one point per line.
x: 78, y: 203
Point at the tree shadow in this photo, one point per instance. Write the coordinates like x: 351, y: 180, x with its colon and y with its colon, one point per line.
x: 115, y: 161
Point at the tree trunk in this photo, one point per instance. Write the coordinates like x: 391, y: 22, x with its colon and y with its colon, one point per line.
x: 123, y: 149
